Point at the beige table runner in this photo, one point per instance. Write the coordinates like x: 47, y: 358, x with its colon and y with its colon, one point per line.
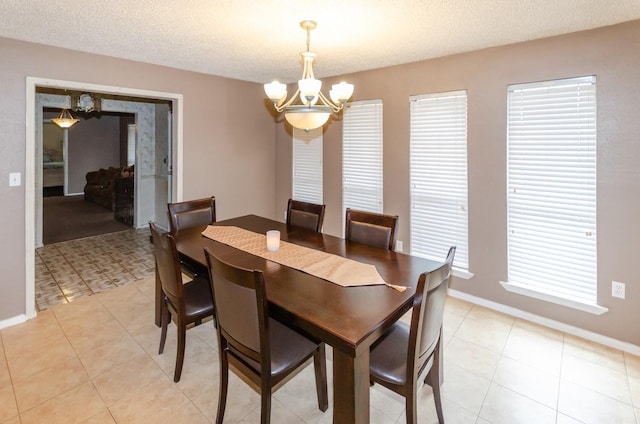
x: 336, y: 269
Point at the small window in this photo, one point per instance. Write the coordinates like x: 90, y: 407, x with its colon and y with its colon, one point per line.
x: 438, y: 177
x: 362, y: 156
x: 307, y: 165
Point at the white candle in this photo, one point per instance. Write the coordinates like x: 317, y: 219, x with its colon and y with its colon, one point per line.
x: 273, y: 240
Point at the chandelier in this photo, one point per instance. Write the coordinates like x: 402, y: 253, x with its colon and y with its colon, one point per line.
x: 315, y: 108
x: 65, y: 120
x: 79, y: 103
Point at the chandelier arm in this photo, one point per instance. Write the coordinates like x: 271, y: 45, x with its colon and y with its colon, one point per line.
x: 288, y: 102
x: 327, y: 102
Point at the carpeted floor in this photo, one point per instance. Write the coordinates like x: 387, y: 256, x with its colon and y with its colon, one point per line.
x: 71, y: 217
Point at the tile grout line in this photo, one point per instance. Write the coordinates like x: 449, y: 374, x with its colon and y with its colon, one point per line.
x: 66, y: 300
x: 636, y: 410
x: 76, y: 271
x: 106, y: 252
x: 564, y: 336
x: 13, y: 387
x: 492, y: 379
x: 55, y: 317
x: 90, y: 378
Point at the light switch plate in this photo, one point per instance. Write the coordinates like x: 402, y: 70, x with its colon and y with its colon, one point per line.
x: 14, y: 179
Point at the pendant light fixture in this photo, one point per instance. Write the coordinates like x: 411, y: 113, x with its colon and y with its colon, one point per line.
x: 65, y: 120
x: 314, y: 108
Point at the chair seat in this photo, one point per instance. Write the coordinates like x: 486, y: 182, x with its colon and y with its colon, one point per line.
x: 197, y: 298
x: 288, y: 349
x: 388, y: 359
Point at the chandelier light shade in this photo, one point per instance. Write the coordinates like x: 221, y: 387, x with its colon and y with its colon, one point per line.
x: 65, y: 120
x: 313, y: 108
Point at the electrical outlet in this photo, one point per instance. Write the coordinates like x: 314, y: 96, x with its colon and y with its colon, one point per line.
x: 399, y: 246
x: 617, y: 289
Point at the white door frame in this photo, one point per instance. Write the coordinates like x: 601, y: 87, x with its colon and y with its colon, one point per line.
x: 30, y: 162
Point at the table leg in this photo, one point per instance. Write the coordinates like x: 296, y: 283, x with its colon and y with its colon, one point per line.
x: 350, y: 387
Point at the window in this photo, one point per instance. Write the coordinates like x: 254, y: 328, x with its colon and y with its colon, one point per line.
x: 438, y: 177
x: 551, y: 191
x: 131, y: 144
x: 307, y: 165
x: 362, y: 156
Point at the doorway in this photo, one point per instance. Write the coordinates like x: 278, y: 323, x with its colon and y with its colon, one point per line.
x: 88, y: 174
x: 145, y: 183
x: 94, y: 150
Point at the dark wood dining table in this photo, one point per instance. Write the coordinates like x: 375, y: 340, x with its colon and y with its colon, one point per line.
x: 350, y: 319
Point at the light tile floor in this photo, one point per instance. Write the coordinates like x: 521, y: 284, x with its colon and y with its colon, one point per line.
x: 95, y: 360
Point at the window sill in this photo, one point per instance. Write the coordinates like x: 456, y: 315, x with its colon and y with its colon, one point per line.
x: 548, y: 297
x: 460, y: 273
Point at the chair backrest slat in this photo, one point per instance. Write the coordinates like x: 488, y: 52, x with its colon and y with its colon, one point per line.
x: 240, y: 306
x: 372, y: 229
x: 428, y: 311
x: 191, y: 213
x: 305, y: 215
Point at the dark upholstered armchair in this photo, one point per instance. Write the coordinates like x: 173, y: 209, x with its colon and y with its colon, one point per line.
x: 100, y: 185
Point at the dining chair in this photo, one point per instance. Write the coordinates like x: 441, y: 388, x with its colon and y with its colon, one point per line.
x: 259, y: 347
x: 305, y: 215
x: 189, y: 214
x: 373, y: 229
x: 406, y: 351
x: 187, y: 303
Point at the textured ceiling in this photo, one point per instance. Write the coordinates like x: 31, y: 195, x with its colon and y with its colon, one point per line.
x: 259, y: 40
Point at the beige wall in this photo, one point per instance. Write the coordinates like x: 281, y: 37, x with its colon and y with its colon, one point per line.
x: 611, y: 54
x: 228, y: 140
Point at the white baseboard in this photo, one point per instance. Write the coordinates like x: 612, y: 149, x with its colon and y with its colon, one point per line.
x: 12, y: 321
x: 556, y: 325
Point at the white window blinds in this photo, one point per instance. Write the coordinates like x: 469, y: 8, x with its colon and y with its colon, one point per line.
x: 551, y: 188
x: 362, y: 156
x: 307, y: 165
x: 438, y: 176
